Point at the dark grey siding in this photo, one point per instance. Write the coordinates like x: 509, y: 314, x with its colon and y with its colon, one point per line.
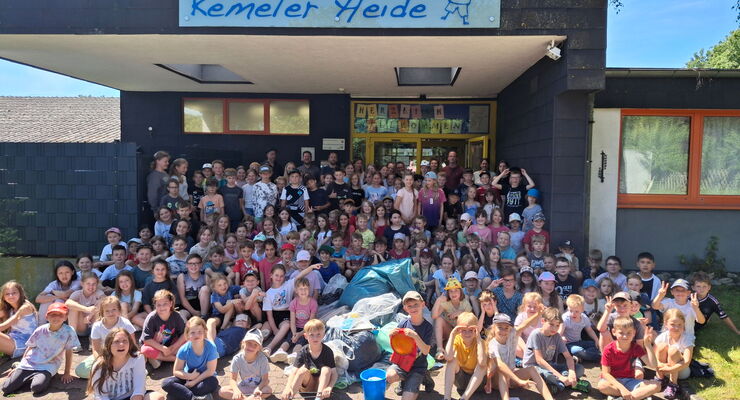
x: 68, y: 194
x: 721, y: 93
x: 668, y: 234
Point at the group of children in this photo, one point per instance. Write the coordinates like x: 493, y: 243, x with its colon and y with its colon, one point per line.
x: 206, y: 284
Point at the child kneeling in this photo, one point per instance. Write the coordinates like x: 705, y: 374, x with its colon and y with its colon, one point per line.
x: 315, y: 368
x: 422, y: 332
x: 466, y: 357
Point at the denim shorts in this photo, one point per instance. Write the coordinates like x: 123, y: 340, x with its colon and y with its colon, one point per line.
x: 630, y: 383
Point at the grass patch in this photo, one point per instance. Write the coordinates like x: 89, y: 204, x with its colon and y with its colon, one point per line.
x: 720, y: 347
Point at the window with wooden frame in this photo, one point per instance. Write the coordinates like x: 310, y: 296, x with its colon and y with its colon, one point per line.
x: 679, y: 159
x: 245, y: 116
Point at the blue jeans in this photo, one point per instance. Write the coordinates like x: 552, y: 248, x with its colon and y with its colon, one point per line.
x: 584, y: 350
x: 552, y: 381
x: 176, y: 389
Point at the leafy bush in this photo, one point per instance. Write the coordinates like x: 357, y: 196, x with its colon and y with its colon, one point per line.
x: 711, y: 263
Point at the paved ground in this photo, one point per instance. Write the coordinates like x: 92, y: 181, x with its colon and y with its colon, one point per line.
x: 76, y: 389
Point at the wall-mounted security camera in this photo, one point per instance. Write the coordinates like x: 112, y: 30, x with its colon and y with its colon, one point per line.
x: 553, y: 51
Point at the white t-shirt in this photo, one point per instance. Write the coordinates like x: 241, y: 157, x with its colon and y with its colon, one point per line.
x: 687, y: 311
x: 506, y: 352
x: 574, y: 328
x: 99, y: 331
x: 129, y: 381
x: 250, y: 374
x: 683, y: 343
x: 279, y: 299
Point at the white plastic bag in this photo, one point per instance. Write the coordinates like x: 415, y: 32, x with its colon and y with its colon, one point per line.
x: 367, y: 313
x: 336, y: 283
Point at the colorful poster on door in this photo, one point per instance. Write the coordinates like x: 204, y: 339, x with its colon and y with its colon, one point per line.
x: 403, y: 125
x: 393, y: 111
x: 425, y: 125
x: 372, y: 126
x: 447, y: 126
x: 382, y: 125
x: 439, y: 112
x: 436, y: 126
x: 457, y: 125
x: 392, y: 125
x: 372, y: 111
x: 360, y: 125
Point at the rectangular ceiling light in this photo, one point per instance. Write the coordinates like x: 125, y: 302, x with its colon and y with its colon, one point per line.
x: 206, y: 73
x: 415, y: 76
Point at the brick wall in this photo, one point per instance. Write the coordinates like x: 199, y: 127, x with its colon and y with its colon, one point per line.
x: 68, y: 194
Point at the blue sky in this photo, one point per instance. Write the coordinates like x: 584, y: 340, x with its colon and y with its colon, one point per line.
x: 645, y: 33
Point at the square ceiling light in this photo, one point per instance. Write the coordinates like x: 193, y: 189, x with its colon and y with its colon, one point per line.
x: 435, y: 76
x: 206, y: 73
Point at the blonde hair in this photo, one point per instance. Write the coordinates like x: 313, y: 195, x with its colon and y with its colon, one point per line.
x: 467, y: 319
x: 531, y: 296
x: 574, y: 300
x: 313, y: 325
x: 217, y: 277
x: 108, y: 300
x: 674, y: 313
x: 164, y: 294
x: 624, y: 323
x: 193, y: 322
x: 486, y: 295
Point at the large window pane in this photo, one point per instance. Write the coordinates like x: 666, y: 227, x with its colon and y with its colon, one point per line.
x: 720, y: 161
x: 203, y: 116
x: 655, y: 154
x: 246, y: 116
x: 289, y: 117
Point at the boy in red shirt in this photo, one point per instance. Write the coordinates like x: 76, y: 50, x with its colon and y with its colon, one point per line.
x: 617, y: 363
x: 245, y: 262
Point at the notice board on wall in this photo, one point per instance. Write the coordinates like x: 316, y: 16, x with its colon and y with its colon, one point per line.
x: 422, y: 118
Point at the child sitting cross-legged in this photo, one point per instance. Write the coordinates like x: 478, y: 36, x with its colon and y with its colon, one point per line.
x: 249, y: 370
x: 163, y: 332
x: 543, y: 347
x: 502, y: 344
x: 617, y: 363
x: 421, y: 332
x: 466, y: 357
x: 315, y: 368
x: 45, y: 349
x: 225, y: 301
x: 575, y: 321
x: 194, y: 372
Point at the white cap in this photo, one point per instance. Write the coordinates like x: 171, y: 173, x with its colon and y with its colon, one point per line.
x: 424, y: 163
x: 254, y: 335
x: 466, y: 217
x: 515, y: 217
x: 207, y: 165
x: 303, y: 255
x: 471, y: 275
x: 399, y: 236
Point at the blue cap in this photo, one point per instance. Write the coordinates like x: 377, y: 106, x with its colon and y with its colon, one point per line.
x: 430, y: 175
x: 260, y: 237
x: 534, y: 193
x: 590, y: 283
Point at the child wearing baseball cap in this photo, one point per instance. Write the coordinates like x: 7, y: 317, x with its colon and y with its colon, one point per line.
x: 45, y: 349
x: 249, y: 370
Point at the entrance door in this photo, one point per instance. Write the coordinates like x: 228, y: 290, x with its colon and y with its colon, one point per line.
x: 477, y: 150
x: 385, y: 151
x: 438, y: 148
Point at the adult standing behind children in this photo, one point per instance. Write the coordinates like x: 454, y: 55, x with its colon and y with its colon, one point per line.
x: 157, y: 179
x: 453, y: 171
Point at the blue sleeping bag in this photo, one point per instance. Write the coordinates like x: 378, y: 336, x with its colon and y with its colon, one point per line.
x: 374, y: 280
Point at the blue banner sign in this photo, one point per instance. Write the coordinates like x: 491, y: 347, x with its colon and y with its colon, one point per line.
x: 341, y: 13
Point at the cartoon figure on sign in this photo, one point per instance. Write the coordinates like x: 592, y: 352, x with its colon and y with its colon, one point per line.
x: 459, y: 6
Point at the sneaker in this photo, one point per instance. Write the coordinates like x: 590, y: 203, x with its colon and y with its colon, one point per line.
x: 292, y: 357
x: 279, y: 355
x: 576, y: 360
x: 76, y: 349
x: 428, y: 383
x: 614, y: 398
x: 265, y: 333
x: 583, y: 386
x: 670, y: 392
x: 154, y: 362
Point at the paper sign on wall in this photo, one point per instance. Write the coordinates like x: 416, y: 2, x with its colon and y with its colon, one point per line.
x: 332, y: 144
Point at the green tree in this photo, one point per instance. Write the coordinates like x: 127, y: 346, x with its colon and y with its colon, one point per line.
x: 723, y: 55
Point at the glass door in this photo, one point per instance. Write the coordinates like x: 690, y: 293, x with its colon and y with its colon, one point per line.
x: 385, y: 151
x: 477, y: 150
x: 438, y: 149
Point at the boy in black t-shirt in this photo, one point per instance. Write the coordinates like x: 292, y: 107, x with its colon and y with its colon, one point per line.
x: 708, y: 304
x: 295, y: 197
x: 515, y: 194
x: 565, y: 284
x: 315, y: 368
x: 338, y: 191
x: 233, y: 199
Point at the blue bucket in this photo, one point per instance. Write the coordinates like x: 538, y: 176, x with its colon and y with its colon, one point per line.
x: 373, y: 383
